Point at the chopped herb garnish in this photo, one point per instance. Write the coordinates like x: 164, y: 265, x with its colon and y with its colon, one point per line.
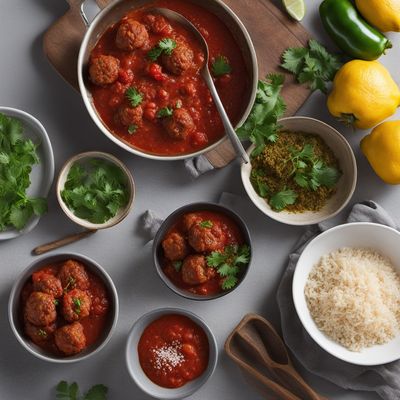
x: 95, y: 191
x: 17, y: 156
x: 261, y: 127
x: 165, y: 112
x: 132, y: 129
x: 56, y: 302
x: 313, y: 65
x: 178, y: 104
x: 206, y: 224
x: 229, y: 263
x: 281, y: 200
x: 77, y: 303
x: 220, y: 66
x: 134, y: 96
x: 165, y: 46
x: 70, y: 284
x: 42, y: 333
x: 71, y: 392
x: 177, y: 265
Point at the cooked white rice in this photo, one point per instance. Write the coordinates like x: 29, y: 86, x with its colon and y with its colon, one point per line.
x: 353, y: 295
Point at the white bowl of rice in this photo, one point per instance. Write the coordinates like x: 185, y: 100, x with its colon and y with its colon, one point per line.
x: 346, y: 291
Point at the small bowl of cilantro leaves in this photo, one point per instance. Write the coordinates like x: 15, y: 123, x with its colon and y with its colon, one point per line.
x: 95, y: 190
x: 303, y: 174
x: 26, y: 172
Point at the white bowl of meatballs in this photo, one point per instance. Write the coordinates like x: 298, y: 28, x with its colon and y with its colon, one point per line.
x: 139, y: 74
x: 63, y: 308
x: 202, y: 251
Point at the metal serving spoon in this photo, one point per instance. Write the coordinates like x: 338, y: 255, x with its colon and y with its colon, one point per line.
x: 205, y: 72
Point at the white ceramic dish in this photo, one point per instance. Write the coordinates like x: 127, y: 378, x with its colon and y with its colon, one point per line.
x: 367, y: 235
x: 141, y: 379
x: 345, y: 186
x: 42, y: 174
x: 83, y: 157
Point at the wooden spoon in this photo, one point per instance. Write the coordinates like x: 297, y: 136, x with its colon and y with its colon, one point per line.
x: 258, y: 349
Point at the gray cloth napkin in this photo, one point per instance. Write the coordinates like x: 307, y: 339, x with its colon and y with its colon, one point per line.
x: 383, y: 379
x: 197, y: 166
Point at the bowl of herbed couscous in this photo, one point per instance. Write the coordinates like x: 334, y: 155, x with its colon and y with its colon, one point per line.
x: 346, y: 291
x: 304, y: 174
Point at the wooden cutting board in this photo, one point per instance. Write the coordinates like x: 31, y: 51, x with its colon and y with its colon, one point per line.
x: 271, y: 30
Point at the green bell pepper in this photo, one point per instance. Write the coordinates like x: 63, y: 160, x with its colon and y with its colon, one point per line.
x: 350, y: 32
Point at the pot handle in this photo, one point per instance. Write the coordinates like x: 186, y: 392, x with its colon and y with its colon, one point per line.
x: 85, y: 18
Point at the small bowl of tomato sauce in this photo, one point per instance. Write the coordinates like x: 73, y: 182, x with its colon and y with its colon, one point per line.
x: 202, y: 251
x: 171, y: 353
x: 63, y: 308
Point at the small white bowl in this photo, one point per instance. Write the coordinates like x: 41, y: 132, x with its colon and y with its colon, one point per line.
x: 42, y: 174
x: 381, y: 238
x: 141, y: 379
x: 345, y: 186
x: 82, y: 157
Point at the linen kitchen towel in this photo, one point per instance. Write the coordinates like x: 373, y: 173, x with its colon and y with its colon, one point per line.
x: 383, y: 379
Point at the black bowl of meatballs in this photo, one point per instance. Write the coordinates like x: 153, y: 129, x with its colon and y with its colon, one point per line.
x: 63, y: 308
x: 202, y: 251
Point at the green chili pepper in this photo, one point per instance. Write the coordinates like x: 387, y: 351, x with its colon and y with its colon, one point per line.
x: 350, y: 32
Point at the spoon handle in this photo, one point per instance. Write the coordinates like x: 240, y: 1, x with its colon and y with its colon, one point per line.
x: 44, y: 248
x: 237, y: 145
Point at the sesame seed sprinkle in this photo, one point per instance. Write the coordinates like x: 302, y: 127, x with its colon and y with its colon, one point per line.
x: 168, y: 357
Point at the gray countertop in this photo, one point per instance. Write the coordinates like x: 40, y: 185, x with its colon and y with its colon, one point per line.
x: 29, y: 82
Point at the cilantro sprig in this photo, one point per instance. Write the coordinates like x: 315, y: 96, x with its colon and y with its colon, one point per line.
x: 262, y: 125
x: 65, y: 391
x: 165, y: 112
x: 17, y: 156
x: 166, y: 46
x: 206, y: 224
x: 220, y: 66
x: 134, y: 96
x: 95, y: 191
x: 229, y: 263
x: 313, y: 65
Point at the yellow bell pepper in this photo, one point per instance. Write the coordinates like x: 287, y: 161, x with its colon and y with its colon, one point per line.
x: 383, y: 14
x: 364, y: 94
x: 382, y: 149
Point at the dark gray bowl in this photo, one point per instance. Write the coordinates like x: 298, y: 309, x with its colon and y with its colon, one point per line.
x: 166, y: 225
x: 14, y: 308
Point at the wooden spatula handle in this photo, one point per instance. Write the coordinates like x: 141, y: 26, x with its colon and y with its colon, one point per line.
x: 44, y: 248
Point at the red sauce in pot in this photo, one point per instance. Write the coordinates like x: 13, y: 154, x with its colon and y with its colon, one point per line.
x: 162, y: 89
x: 173, y: 350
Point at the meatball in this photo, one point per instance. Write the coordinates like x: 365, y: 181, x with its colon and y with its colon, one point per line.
x: 49, y: 284
x: 40, y: 309
x: 179, y: 60
x: 179, y: 125
x: 175, y: 246
x: 76, y: 305
x: 70, y: 339
x: 104, y: 70
x: 129, y: 116
x: 131, y: 35
x: 204, y: 239
x: 189, y: 220
x: 157, y: 24
x: 73, y: 275
x: 195, y: 270
x: 39, y: 334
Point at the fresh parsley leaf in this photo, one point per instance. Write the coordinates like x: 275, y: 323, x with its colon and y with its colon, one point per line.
x: 313, y: 65
x: 165, y: 112
x: 95, y: 191
x: 229, y: 263
x: 97, y: 392
x: 281, y: 200
x: 325, y: 175
x: 20, y: 215
x: 134, y: 96
x: 262, y: 126
x: 220, y: 66
x: 178, y: 104
x: 206, y: 224
x: 77, y: 303
x: 177, y: 265
x: 259, y: 184
x: 132, y: 129
x: 166, y: 46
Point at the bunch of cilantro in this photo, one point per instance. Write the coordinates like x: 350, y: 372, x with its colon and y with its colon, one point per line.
x: 95, y: 191
x: 17, y: 156
x: 65, y: 391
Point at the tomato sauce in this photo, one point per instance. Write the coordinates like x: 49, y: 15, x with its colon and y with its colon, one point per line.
x: 187, y: 89
x: 173, y: 350
x: 233, y: 236
x: 93, y: 325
